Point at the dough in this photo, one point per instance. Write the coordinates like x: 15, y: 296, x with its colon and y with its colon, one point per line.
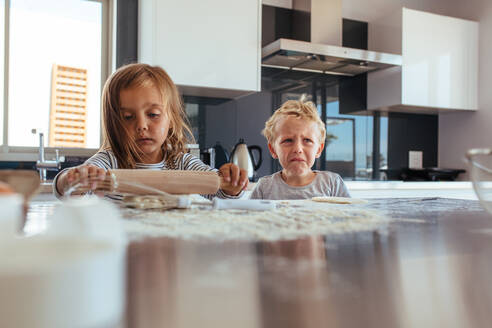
x: 339, y: 200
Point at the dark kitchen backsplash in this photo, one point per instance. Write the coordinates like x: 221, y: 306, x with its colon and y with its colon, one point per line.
x: 411, y: 132
x: 227, y: 122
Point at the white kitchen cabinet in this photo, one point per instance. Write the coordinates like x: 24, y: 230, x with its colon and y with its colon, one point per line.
x: 439, y: 71
x: 209, y: 48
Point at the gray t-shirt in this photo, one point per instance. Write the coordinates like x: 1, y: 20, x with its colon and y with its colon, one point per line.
x: 324, y: 184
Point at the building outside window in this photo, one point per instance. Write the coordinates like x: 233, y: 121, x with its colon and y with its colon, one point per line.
x: 57, y: 57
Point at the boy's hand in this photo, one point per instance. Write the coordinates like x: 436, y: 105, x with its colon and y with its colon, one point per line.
x: 232, y: 179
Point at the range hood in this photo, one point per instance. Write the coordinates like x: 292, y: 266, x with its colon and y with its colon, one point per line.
x: 322, y: 58
x: 324, y: 54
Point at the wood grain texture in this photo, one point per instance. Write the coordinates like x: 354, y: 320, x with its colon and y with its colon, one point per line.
x: 170, y: 181
x: 24, y: 182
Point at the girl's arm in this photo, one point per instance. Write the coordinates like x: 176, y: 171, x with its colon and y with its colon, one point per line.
x: 233, y: 179
x: 86, y: 174
x: 93, y: 168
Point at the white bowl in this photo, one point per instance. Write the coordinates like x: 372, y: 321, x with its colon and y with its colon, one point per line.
x: 56, y: 282
x: 11, y: 214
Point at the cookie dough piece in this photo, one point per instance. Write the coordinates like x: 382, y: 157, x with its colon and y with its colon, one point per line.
x: 339, y: 200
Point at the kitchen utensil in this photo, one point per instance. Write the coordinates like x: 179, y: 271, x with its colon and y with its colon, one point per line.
x: 169, y: 181
x: 169, y: 201
x: 242, y: 156
x: 480, y: 167
x: 24, y: 182
x: 147, y: 197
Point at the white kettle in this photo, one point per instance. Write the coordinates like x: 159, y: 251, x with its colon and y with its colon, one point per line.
x: 242, y: 156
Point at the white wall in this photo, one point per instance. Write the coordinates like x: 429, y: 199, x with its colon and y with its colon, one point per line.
x: 457, y: 131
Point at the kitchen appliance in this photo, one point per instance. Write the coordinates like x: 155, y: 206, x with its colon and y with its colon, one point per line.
x: 207, y: 156
x: 221, y: 155
x: 430, y: 174
x: 242, y: 156
x: 324, y: 53
x: 215, y: 156
x: 194, y: 149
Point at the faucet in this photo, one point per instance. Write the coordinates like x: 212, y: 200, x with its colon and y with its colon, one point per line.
x: 42, y: 164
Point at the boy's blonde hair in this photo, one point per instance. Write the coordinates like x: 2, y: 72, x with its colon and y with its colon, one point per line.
x: 117, y: 138
x: 298, y: 108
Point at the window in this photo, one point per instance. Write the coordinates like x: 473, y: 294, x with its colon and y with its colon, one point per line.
x: 58, y: 55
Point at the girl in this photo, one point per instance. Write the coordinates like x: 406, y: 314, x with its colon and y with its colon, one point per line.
x: 144, y: 127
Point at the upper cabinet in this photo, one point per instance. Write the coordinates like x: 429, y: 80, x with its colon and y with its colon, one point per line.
x: 439, y: 71
x: 209, y: 48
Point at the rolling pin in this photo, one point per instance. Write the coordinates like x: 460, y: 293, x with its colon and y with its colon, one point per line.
x: 170, y: 181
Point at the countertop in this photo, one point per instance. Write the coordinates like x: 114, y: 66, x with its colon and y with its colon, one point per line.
x: 396, y: 188
x: 429, y: 267
x: 381, y: 189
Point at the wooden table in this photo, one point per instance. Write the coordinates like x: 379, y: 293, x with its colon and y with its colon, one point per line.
x: 431, y: 267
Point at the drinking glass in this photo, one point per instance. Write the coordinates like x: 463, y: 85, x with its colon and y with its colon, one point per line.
x: 480, y: 168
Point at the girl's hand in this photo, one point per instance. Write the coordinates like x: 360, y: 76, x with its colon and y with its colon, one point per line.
x: 232, y: 179
x: 86, y: 175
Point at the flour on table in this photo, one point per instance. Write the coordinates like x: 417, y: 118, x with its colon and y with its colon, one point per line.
x: 339, y: 200
x: 292, y: 219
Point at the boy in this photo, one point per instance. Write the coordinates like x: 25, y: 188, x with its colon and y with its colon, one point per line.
x: 296, y: 136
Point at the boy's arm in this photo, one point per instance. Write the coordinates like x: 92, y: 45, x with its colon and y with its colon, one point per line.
x: 256, y: 193
x: 340, y: 189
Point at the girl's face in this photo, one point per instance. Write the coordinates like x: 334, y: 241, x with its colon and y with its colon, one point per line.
x: 296, y: 144
x: 146, y: 119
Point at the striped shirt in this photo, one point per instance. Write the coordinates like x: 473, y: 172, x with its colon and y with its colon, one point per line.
x: 107, y: 160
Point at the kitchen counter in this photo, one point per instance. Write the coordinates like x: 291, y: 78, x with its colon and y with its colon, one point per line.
x: 380, y: 189
x: 376, y: 189
x: 394, y: 188
x: 429, y: 267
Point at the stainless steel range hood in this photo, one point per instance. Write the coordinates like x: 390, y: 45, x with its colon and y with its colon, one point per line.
x: 324, y: 54
x: 322, y: 58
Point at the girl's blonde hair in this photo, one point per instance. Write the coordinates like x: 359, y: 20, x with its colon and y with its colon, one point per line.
x: 117, y: 138
x: 298, y: 108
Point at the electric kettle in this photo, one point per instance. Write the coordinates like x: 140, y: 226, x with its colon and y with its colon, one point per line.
x: 242, y: 156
